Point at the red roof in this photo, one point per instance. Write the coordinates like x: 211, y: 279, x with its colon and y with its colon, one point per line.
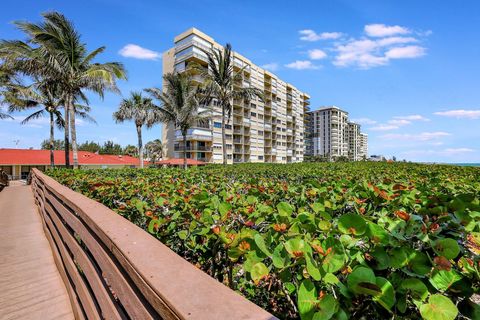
x: 42, y: 157
x: 179, y: 162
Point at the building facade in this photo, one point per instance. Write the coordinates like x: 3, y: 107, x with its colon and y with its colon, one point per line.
x: 268, y: 130
x: 363, y: 146
x: 331, y: 135
x: 354, y: 141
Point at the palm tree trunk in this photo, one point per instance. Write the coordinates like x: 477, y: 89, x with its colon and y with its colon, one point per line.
x: 73, y: 132
x: 52, y: 139
x: 184, y: 134
x: 67, y: 135
x: 224, y: 144
x: 140, y: 145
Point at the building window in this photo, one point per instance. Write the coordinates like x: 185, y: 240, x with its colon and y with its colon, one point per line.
x: 228, y: 126
x: 253, y: 114
x: 260, y: 157
x: 217, y: 124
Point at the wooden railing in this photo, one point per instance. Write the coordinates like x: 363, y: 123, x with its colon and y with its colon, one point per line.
x: 115, y: 270
x: 3, y: 179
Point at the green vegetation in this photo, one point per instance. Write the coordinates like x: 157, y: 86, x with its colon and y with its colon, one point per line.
x: 316, y: 241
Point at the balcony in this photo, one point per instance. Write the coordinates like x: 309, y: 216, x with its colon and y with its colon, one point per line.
x: 237, y: 140
x: 195, y: 134
x: 193, y: 148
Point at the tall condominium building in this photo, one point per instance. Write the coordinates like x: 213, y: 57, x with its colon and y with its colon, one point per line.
x: 327, y: 132
x: 354, y: 140
x: 363, y: 146
x: 268, y: 130
x: 330, y: 134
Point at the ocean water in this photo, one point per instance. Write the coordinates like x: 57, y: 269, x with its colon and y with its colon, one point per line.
x: 467, y: 164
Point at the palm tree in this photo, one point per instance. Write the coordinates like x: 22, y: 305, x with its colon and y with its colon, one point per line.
x: 220, y: 81
x: 43, y: 95
x: 154, y: 150
x: 141, y: 111
x: 130, y: 150
x: 181, y: 104
x: 59, y: 55
x: 6, y: 81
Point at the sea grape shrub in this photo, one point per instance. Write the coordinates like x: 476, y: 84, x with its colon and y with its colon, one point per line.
x: 315, y: 241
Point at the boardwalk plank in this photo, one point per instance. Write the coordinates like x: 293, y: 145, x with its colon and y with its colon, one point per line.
x: 31, y: 287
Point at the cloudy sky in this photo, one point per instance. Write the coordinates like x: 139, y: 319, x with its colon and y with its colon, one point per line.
x: 407, y: 71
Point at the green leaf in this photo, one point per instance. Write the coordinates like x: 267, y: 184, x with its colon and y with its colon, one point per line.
x: 335, y: 260
x: 290, y: 287
x: 260, y: 242
x: 307, y: 299
x: 327, y: 306
x: 294, y: 246
x: 224, y: 207
x: 415, y: 287
x: 280, y: 257
x: 330, y: 278
x: 399, y: 257
x: 420, y: 264
x: 259, y: 270
x: 381, y: 260
x: 183, y: 234
x: 352, y: 223
x: 362, y: 281
x: 446, y: 247
x: 151, y: 225
x: 317, y: 207
x: 439, y: 308
x: 442, y: 280
x: 377, y: 233
x: 386, y: 298
x: 312, y: 266
x: 284, y: 209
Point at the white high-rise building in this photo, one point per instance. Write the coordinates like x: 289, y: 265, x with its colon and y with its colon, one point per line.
x: 330, y: 134
x: 354, y: 141
x: 363, y: 146
x: 258, y: 131
x: 327, y: 132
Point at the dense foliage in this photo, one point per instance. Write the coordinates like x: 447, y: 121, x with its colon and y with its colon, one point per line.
x: 316, y: 241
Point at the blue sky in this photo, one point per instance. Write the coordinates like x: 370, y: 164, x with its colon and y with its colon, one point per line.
x: 408, y: 71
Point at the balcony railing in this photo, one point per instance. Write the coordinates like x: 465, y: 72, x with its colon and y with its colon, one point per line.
x: 193, y: 148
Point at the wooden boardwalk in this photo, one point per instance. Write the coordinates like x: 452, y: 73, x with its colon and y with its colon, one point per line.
x: 30, y: 285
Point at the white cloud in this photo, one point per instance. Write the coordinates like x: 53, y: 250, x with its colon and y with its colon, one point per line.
x: 301, y: 65
x: 413, y: 117
x: 395, y: 40
x: 399, y: 122
x: 460, y: 113
x: 384, y: 127
x: 364, y: 121
x: 137, y: 52
x: 381, y: 30
x: 407, y: 52
x: 271, y: 66
x: 317, y: 54
x: 458, y: 150
x: 423, y: 136
x: 310, y: 35
x: 368, y: 53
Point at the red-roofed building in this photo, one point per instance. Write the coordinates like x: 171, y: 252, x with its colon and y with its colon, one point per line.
x: 17, y: 163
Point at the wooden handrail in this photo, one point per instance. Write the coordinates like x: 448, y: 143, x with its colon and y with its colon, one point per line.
x: 115, y: 270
